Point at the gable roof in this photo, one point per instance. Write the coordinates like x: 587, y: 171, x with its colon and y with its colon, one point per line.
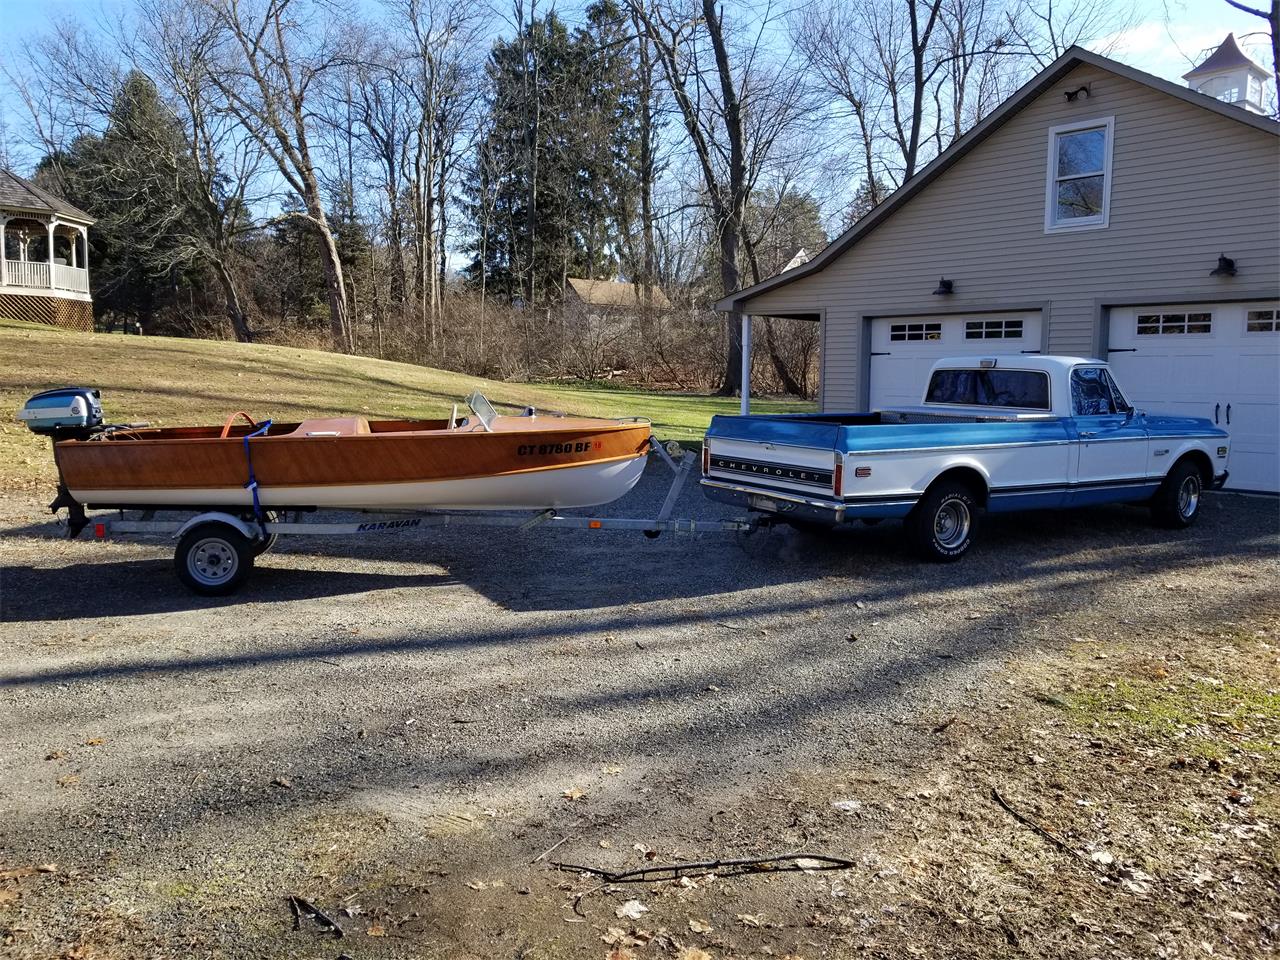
x: 1228, y: 56
x: 611, y: 293
x: 1033, y: 88
x: 19, y: 194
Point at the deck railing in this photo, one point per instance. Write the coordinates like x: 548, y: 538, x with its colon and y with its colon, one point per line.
x: 71, y: 278
x: 26, y: 273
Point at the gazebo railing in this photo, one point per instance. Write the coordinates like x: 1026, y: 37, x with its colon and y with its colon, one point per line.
x: 70, y: 278
x: 27, y: 273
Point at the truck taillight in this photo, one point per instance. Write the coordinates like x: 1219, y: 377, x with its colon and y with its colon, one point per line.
x: 706, y: 458
x: 837, y: 480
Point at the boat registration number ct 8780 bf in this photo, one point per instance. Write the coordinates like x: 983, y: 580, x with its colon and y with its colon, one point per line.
x: 542, y: 449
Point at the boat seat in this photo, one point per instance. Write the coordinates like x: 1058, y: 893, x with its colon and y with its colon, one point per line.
x: 333, y: 427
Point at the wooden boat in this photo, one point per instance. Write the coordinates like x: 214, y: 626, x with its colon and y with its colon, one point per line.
x: 484, y: 461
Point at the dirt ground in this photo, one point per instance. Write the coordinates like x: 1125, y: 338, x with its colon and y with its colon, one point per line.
x: 408, y: 731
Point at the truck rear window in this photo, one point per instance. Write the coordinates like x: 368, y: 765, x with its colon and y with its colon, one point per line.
x: 1026, y: 389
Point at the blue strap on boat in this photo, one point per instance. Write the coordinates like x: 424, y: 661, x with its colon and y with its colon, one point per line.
x: 252, y: 485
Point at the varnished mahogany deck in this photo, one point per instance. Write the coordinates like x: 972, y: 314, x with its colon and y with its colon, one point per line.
x: 393, y: 451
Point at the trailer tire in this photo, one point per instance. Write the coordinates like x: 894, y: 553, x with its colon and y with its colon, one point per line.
x: 943, y: 524
x: 213, y: 559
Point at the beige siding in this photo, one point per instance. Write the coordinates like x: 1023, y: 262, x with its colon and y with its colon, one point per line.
x: 1187, y: 184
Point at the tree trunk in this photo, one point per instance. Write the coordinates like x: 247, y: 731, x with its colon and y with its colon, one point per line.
x: 235, y: 312
x: 732, y: 381
x: 335, y: 284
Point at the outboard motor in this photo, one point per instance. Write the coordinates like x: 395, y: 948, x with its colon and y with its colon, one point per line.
x: 64, y: 414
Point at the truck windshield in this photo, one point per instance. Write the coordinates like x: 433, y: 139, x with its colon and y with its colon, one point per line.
x: 1026, y: 389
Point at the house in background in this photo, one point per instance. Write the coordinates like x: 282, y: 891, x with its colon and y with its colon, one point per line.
x: 1100, y: 211
x: 44, y: 266
x: 612, y: 297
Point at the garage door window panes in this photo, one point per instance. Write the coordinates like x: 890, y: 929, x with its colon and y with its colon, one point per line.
x: 1262, y: 321
x: 915, y: 331
x: 993, y: 330
x: 1156, y: 324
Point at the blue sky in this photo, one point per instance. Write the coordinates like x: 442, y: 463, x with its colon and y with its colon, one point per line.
x: 1168, y: 35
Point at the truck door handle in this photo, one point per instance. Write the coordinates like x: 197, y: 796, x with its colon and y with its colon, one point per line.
x: 1088, y: 433
x: 1228, y: 414
x: 1216, y: 408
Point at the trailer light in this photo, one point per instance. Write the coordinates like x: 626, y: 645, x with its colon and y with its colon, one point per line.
x: 100, y: 531
x: 594, y: 524
x: 706, y: 459
x: 837, y: 480
x: 862, y: 472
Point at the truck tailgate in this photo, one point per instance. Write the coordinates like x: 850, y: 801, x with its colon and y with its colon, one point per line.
x: 779, y: 453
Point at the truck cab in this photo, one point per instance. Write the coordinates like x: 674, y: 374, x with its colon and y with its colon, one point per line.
x: 990, y: 434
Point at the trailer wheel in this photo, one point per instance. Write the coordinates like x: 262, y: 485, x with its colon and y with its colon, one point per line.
x: 942, y: 526
x: 213, y: 559
x: 261, y: 546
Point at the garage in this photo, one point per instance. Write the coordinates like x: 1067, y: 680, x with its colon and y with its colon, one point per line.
x: 1215, y: 360
x: 904, y: 348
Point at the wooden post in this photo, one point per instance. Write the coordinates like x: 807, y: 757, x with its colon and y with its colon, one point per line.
x: 746, y: 364
x: 4, y: 266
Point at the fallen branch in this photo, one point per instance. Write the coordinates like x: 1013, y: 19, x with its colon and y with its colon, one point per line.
x: 548, y: 850
x: 304, y: 908
x: 1033, y: 826
x: 728, y: 868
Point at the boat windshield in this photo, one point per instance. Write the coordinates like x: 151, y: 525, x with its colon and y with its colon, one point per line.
x: 483, y: 410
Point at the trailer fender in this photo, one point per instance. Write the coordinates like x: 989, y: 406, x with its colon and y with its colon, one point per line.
x: 215, y: 516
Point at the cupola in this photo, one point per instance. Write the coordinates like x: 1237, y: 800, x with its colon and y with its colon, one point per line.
x: 1230, y: 75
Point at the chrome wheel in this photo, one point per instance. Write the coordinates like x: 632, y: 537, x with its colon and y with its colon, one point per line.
x: 951, y: 524
x: 213, y: 562
x: 1189, y: 496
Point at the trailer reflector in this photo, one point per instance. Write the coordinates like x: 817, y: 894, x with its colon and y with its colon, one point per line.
x: 100, y: 531
x: 595, y: 524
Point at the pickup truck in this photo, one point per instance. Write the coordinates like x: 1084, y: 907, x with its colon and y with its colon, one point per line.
x: 992, y: 434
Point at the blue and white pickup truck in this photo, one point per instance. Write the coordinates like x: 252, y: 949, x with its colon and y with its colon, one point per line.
x: 992, y: 434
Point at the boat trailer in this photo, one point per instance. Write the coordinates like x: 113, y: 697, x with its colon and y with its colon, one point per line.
x: 216, y: 549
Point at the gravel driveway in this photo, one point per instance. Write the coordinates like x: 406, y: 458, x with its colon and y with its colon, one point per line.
x: 401, y: 723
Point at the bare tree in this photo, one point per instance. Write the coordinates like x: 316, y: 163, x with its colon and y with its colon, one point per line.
x: 175, y: 47
x: 735, y: 108
x: 267, y: 65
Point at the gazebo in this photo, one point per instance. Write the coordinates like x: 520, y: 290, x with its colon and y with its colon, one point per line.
x: 44, y: 266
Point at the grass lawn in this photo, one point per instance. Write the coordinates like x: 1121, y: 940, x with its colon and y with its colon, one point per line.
x: 170, y: 381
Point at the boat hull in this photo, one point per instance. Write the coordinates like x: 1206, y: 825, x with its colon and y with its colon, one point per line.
x: 523, y: 463
x: 587, y: 485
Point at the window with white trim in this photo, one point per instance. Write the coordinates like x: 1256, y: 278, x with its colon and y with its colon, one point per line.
x: 1078, y: 189
x: 993, y: 329
x: 1262, y: 321
x: 915, y: 331
x: 1174, y: 323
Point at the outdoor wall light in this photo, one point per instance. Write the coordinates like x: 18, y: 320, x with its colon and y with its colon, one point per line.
x: 1074, y: 95
x: 1226, y: 267
x: 945, y: 287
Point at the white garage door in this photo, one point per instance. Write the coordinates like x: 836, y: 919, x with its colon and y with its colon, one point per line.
x: 1215, y: 360
x: 903, y: 350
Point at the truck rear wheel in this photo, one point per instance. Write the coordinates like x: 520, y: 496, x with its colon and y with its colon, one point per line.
x: 942, y: 526
x: 213, y: 559
x: 1177, y: 503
